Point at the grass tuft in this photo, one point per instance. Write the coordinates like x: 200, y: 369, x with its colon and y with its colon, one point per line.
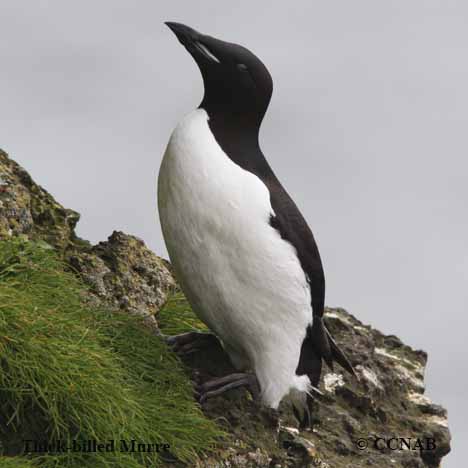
x: 16, y: 462
x: 69, y: 371
x: 177, y: 317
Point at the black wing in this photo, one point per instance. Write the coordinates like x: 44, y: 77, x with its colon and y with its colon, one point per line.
x: 292, y: 227
x: 242, y: 147
x: 318, y: 343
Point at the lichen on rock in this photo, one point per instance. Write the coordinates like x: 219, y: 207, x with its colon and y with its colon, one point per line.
x: 122, y: 271
x: 27, y: 209
x: 126, y: 274
x: 388, y: 400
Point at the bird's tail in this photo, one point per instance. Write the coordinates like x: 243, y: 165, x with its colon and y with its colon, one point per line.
x: 326, y: 347
x: 319, y: 345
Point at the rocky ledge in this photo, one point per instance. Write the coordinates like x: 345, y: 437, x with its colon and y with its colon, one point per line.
x: 122, y: 271
x: 382, y: 420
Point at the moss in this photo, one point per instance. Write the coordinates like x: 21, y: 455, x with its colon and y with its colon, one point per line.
x: 71, y: 372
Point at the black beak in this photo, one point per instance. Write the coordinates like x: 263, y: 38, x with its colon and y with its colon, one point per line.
x: 194, y: 42
x: 185, y: 34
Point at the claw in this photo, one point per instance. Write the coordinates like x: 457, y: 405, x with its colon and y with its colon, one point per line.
x: 218, y: 386
x: 190, y: 342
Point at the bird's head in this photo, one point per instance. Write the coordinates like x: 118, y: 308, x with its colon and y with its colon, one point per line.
x: 236, y: 82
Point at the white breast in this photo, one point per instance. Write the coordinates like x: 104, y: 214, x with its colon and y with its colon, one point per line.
x: 240, y: 277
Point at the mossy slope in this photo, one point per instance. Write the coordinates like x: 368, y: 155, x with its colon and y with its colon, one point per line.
x: 72, y: 372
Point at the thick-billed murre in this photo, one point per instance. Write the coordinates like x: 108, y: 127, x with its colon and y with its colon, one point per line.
x: 241, y: 250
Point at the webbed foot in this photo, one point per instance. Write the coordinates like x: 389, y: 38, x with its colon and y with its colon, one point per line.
x: 190, y: 342
x: 218, y: 386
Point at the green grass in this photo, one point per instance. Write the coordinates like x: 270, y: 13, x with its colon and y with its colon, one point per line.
x: 15, y: 462
x: 177, y: 317
x: 71, y: 371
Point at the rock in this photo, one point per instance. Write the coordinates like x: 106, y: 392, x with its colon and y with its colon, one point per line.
x: 125, y: 273
x: 387, y: 404
x: 121, y: 272
x: 352, y: 422
x: 27, y: 209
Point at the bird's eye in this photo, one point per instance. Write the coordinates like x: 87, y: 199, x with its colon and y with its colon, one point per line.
x: 242, y: 66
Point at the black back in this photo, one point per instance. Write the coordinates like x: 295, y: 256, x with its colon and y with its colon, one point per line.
x: 238, y: 89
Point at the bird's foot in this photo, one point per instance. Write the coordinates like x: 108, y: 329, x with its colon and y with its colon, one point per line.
x: 306, y: 414
x: 218, y: 386
x: 190, y: 342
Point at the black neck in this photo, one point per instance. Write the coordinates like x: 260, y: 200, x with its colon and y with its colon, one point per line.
x: 237, y: 134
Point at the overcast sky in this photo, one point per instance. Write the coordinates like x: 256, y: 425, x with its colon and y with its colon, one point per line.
x: 367, y: 130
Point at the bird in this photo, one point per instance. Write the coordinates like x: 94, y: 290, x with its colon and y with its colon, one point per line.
x: 241, y: 250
